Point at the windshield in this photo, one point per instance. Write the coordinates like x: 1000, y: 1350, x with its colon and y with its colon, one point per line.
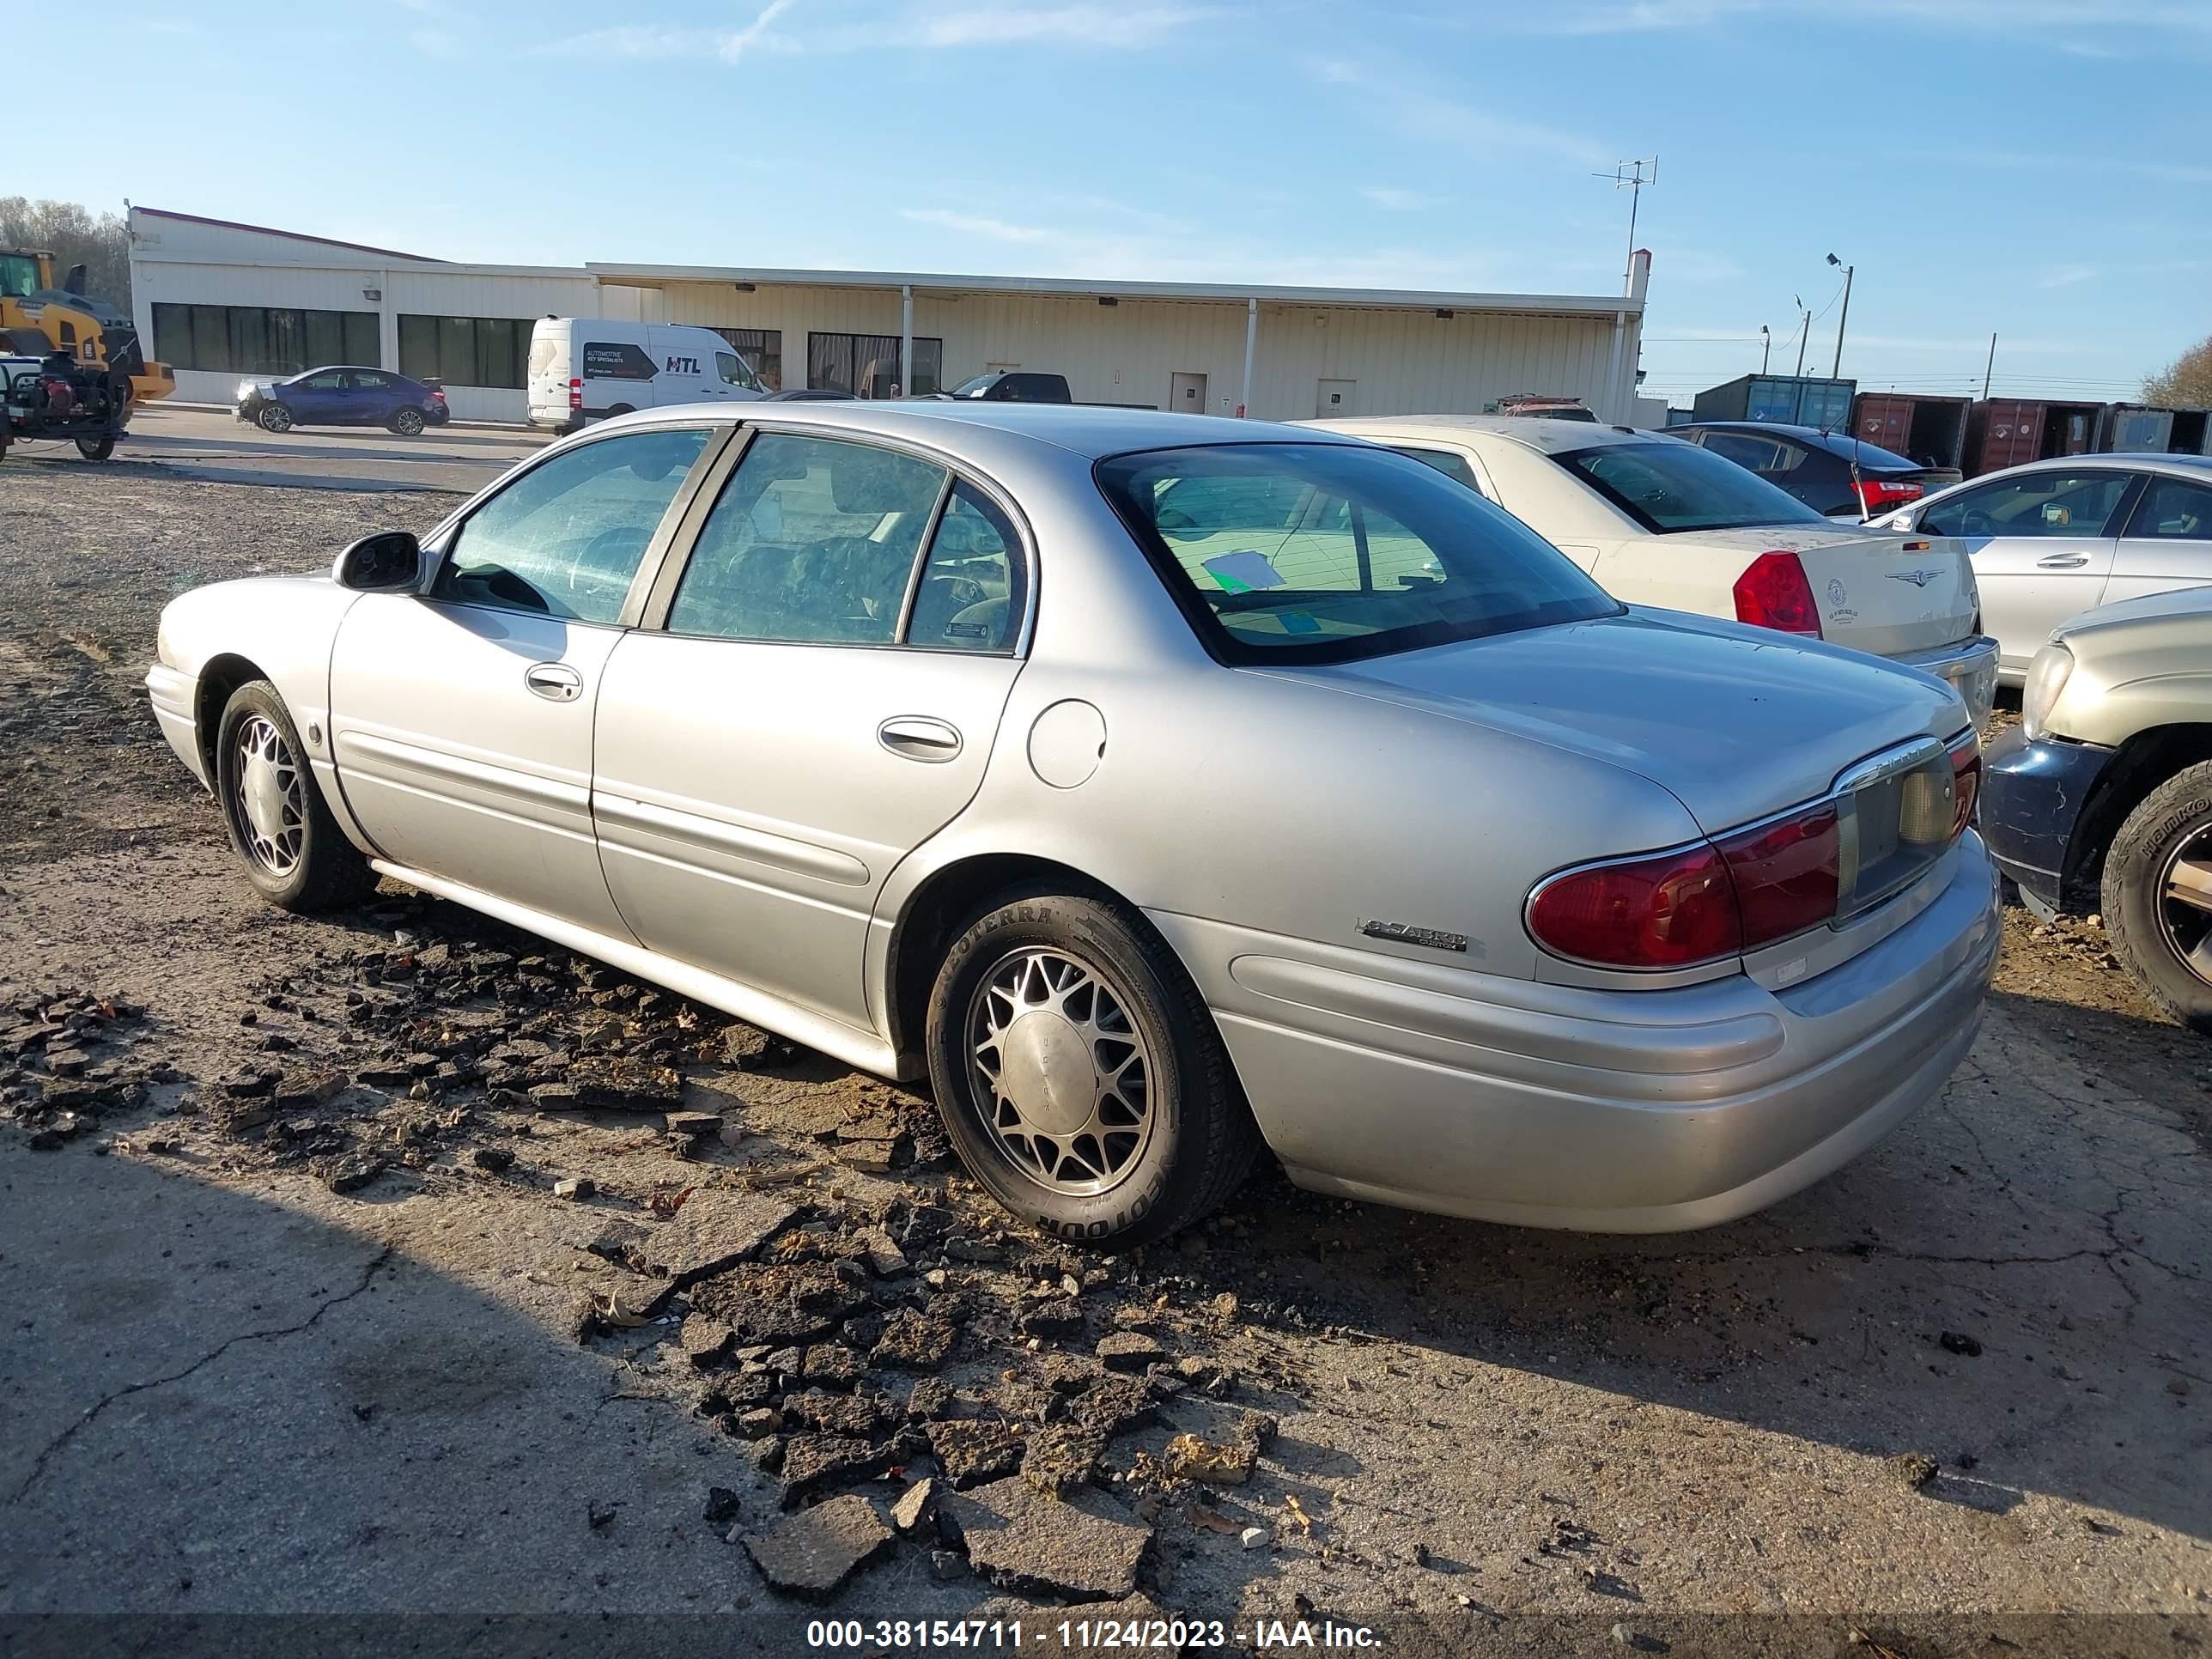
x: 1669, y: 486
x: 976, y: 385
x: 1286, y: 552
x: 19, y: 275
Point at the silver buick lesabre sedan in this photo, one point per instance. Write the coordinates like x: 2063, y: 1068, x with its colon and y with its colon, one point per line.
x: 1162, y: 787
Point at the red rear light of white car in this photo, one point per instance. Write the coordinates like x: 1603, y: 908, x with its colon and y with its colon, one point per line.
x: 1881, y: 495
x: 576, y: 395
x: 1774, y: 593
x: 1699, y: 903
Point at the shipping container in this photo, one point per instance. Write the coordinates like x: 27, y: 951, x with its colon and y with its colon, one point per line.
x: 2134, y: 429
x: 2192, y: 433
x: 1788, y: 399
x: 1931, y: 430
x: 2003, y: 432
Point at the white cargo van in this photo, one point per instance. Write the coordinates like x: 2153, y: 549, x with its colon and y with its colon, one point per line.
x: 585, y: 368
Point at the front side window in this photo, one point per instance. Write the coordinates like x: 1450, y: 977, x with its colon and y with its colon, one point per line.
x: 1452, y: 466
x: 2174, y: 509
x: 2055, y: 503
x: 1295, y: 552
x: 813, y: 539
x: 731, y: 369
x: 565, y: 538
x: 1668, y: 487
x: 326, y: 382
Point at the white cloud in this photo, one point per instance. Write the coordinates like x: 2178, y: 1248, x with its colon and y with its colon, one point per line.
x: 1412, y: 113
x: 919, y: 28
x: 971, y: 224
x: 734, y: 46
x: 2020, y: 19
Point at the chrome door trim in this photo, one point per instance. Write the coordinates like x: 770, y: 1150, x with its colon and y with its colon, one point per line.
x: 697, y: 829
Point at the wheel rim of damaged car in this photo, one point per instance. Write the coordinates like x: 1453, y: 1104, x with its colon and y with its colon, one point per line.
x: 1061, y: 1075
x: 2185, y: 904
x: 270, y: 808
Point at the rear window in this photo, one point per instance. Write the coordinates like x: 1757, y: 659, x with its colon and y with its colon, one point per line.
x: 1669, y: 486
x: 1327, y: 553
x: 1870, y: 456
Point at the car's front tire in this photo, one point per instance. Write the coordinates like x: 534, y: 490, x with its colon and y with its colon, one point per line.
x: 273, y: 417
x: 1080, y: 1075
x: 96, y: 449
x: 294, y: 853
x: 2165, y: 848
x: 407, y: 422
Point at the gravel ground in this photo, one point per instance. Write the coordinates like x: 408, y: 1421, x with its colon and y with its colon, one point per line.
x: 300, y: 1323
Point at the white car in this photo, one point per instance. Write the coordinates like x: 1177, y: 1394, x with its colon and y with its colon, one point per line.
x: 2057, y: 537
x: 1662, y: 522
x: 591, y: 368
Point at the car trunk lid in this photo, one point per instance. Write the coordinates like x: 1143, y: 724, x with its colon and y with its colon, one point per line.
x: 1737, y: 723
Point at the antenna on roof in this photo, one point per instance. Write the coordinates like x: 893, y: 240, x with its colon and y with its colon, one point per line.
x: 1630, y: 176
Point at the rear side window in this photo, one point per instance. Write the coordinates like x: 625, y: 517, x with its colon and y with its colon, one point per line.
x: 616, y: 362
x: 1454, y: 467
x: 1296, y: 552
x: 565, y: 538
x: 970, y: 596
x: 2174, y: 509
x: 1668, y: 487
x: 813, y: 539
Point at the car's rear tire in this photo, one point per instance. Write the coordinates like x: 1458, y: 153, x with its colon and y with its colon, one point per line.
x: 96, y: 449
x: 620, y: 408
x: 273, y: 417
x: 294, y: 853
x: 1079, y: 1075
x: 407, y: 422
x: 2164, y: 942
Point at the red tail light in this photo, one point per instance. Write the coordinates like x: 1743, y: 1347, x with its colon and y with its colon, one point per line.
x: 1703, y: 902
x: 1663, y: 912
x: 1965, y: 784
x: 576, y: 395
x: 1879, y: 494
x: 1774, y: 593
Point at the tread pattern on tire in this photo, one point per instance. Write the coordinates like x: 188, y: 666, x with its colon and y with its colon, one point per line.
x: 2130, y: 876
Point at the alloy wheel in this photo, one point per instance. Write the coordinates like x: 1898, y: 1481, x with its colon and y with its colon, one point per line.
x: 1061, y: 1075
x: 269, y: 803
x: 2185, y: 909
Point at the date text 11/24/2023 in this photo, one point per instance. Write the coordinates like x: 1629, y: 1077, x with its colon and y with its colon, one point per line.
x: 1163, y: 1635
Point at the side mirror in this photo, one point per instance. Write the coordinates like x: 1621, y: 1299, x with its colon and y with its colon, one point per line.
x: 389, y: 562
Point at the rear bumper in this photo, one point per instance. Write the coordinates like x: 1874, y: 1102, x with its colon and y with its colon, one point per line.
x: 2032, y: 796
x: 1969, y: 667
x: 1606, y: 1111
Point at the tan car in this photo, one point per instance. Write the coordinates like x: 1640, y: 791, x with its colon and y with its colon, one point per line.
x: 2101, y: 799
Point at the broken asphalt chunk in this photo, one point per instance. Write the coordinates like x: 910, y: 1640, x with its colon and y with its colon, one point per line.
x: 714, y: 1229
x: 813, y: 1552
x: 1085, y: 1548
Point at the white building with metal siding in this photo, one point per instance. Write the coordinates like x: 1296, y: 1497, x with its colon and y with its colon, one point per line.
x: 1276, y: 353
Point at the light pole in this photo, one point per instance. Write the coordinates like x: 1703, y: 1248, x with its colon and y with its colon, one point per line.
x: 1804, y: 331
x: 1766, y: 347
x: 1837, y: 372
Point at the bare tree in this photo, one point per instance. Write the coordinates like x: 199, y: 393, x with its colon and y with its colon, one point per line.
x: 2184, y: 383
x: 74, y: 235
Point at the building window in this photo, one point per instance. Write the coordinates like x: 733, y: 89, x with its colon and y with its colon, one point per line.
x: 764, y: 349
x: 263, y: 339
x: 485, y: 351
x: 866, y: 365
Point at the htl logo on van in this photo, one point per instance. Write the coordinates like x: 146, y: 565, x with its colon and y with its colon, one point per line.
x: 683, y: 365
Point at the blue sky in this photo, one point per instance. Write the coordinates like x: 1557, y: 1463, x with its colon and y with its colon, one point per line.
x: 2042, y: 168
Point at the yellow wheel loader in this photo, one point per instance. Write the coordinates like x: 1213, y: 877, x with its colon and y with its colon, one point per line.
x: 97, y: 336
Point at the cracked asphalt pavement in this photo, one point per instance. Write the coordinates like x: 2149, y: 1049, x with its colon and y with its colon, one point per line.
x: 1961, y: 1384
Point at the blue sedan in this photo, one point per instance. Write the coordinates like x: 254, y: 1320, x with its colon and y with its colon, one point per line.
x: 343, y: 396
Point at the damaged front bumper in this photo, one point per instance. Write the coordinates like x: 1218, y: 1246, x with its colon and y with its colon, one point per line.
x: 2032, y: 795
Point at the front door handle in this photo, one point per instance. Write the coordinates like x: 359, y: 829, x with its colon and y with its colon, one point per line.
x: 2063, y: 562
x: 555, y: 682
x: 919, y: 739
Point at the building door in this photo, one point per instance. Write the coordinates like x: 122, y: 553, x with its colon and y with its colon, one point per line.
x: 1335, y: 398
x: 1187, y: 393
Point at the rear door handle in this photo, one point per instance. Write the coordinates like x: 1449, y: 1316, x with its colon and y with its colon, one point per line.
x: 2063, y: 562
x: 918, y: 737
x: 555, y: 682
